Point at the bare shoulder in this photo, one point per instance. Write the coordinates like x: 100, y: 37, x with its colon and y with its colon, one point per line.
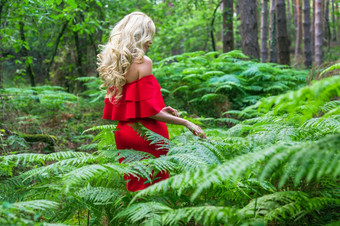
x: 145, y: 68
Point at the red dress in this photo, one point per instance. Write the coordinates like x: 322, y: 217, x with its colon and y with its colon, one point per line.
x: 140, y: 99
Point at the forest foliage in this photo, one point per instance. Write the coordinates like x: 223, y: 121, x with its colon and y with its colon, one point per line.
x: 271, y: 156
x: 278, y: 164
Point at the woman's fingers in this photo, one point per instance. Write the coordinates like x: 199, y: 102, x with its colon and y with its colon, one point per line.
x: 197, y: 131
x: 172, y: 111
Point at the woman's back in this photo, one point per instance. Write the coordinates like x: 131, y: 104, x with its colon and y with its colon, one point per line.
x: 139, y: 70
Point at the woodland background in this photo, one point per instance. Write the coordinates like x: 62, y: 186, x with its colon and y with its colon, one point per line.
x: 260, y: 77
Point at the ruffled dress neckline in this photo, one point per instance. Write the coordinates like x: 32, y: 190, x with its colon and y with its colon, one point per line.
x: 137, y: 80
x: 141, y: 98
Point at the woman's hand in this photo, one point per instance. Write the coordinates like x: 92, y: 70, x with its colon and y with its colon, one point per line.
x: 195, y: 129
x: 170, y: 111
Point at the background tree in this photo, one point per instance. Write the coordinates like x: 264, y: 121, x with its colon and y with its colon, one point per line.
x: 227, y: 23
x: 307, y: 51
x: 250, y: 45
x: 327, y: 30
x: 264, y: 29
x: 282, y: 36
x: 272, y: 33
x: 298, y: 31
x: 333, y: 22
x: 318, y: 32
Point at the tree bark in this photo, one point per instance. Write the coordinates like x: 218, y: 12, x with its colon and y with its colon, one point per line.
x: 313, y: 32
x: 282, y: 36
x: 308, y: 57
x: 298, y: 31
x: 272, y: 33
x: 24, y: 50
x: 264, y: 29
x: 2, y: 4
x: 334, y: 22
x: 212, y: 28
x: 238, y: 28
x: 227, y: 25
x: 318, y: 32
x: 338, y: 20
x: 327, y: 30
x: 250, y: 45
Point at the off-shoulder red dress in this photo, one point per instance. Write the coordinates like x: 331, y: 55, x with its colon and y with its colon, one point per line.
x: 140, y: 100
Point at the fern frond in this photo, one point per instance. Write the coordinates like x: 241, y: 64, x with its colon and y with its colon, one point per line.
x: 205, y: 215
x: 146, y: 213
x: 101, y: 195
x: 155, y: 138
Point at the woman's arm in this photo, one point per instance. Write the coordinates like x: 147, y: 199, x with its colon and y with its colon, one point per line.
x: 168, y: 118
x: 165, y: 115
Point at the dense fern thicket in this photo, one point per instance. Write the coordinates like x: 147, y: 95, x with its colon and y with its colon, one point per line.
x: 210, y: 84
x: 279, y: 165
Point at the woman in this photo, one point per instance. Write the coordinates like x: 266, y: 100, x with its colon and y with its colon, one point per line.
x: 134, y: 94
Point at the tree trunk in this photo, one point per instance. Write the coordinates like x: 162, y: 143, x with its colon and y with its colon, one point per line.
x: 24, y: 50
x: 334, y: 22
x: 212, y: 28
x: 306, y: 35
x: 282, y: 36
x: 313, y: 32
x: 2, y: 4
x: 298, y: 31
x: 264, y: 29
x: 249, y: 39
x: 327, y: 30
x: 318, y: 32
x: 272, y: 33
x: 338, y: 20
x: 227, y: 24
x: 238, y: 28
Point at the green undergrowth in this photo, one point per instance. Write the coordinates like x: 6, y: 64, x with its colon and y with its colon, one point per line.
x: 209, y: 84
x: 279, y: 165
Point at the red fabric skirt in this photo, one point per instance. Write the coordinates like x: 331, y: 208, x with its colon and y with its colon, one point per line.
x: 127, y: 138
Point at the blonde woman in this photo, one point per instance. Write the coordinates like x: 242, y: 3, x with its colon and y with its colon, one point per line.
x: 134, y: 93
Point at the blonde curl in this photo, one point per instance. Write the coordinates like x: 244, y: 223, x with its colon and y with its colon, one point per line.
x: 126, y: 43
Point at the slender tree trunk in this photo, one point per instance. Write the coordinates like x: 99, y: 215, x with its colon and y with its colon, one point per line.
x: 272, y: 33
x: 318, y: 32
x: 2, y: 4
x: 327, y: 30
x: 334, y: 22
x: 338, y: 20
x: 250, y: 44
x: 308, y: 57
x: 264, y: 30
x: 282, y: 36
x: 313, y: 31
x: 298, y: 31
x: 24, y: 50
x: 212, y: 28
x: 227, y: 24
x: 63, y: 28
x: 238, y: 28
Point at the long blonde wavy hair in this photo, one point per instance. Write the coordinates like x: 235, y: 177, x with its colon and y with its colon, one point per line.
x: 127, y: 42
